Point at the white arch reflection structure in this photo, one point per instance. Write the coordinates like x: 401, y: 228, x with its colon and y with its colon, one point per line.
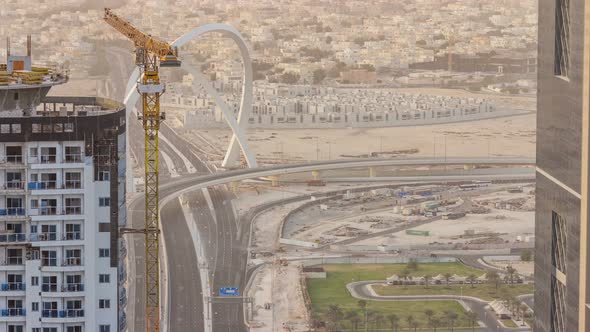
x: 238, y: 126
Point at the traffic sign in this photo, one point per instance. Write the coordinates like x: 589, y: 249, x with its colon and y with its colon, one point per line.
x: 229, y: 291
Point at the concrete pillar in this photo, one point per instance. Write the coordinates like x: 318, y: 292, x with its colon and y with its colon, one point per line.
x: 372, y: 172
x: 275, y: 180
x: 316, y: 175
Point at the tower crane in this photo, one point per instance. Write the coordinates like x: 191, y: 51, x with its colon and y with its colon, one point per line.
x: 150, y: 54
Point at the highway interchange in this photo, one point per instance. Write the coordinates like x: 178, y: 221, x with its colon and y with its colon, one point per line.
x: 224, y: 238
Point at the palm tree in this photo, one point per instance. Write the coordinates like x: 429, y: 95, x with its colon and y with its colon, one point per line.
x: 410, y: 319
x: 447, y: 277
x: 429, y: 314
x: 379, y: 319
x: 355, y: 322
x: 493, y: 277
x: 353, y: 317
x: 404, y: 275
x: 393, y: 321
x: 451, y: 318
x: 427, y: 279
x: 510, y: 273
x: 472, y: 317
x: 415, y: 324
x: 434, y: 322
x: 370, y: 317
x: 472, y: 278
x: 516, y: 306
x: 362, y: 304
x: 334, y: 315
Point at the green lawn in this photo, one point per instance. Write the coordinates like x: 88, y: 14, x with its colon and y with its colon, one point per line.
x: 485, y: 292
x: 509, y: 323
x: 332, y: 290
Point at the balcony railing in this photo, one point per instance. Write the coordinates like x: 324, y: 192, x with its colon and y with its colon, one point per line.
x: 52, y: 236
x: 72, y: 288
x: 42, y: 185
x: 50, y: 313
x: 70, y: 236
x: 47, y: 211
x: 73, y: 210
x: 73, y: 184
x: 13, y: 312
x: 14, y: 185
x: 12, y: 237
x: 49, y: 288
x: 48, y: 262
x: 72, y: 261
x: 14, y: 261
x: 71, y: 313
x: 12, y: 212
x: 48, y: 159
x: 14, y: 158
x: 73, y: 158
x: 13, y: 286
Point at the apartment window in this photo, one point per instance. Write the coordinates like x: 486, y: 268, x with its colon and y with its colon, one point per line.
x: 35, y: 306
x: 48, y: 207
x: 558, y: 242
x: 104, y: 201
x: 49, y: 310
x: 104, y: 304
x: 103, y: 252
x: 14, y: 154
x: 562, y: 37
x: 15, y: 328
x: 48, y: 233
x: 14, y: 256
x: 50, y: 329
x: 73, y: 257
x: 104, y: 328
x: 558, y: 258
x: 104, y: 176
x: 48, y: 154
x: 36, y: 329
x: 16, y: 96
x: 74, y: 329
x: 15, y: 282
x: 73, y: 205
x: 34, y: 281
x: 104, y: 278
x: 73, y: 180
x: 74, y: 283
x: 14, y: 180
x: 49, y: 284
x: 73, y: 232
x: 73, y: 154
x: 48, y: 258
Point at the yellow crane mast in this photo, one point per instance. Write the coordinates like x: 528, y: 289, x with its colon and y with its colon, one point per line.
x: 150, y: 54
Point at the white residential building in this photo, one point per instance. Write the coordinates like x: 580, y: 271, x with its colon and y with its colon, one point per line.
x: 62, y: 201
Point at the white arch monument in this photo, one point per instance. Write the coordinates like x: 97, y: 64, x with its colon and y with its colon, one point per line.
x: 238, y: 126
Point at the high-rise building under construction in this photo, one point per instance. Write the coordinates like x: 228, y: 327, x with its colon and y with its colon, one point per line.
x: 62, y: 201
